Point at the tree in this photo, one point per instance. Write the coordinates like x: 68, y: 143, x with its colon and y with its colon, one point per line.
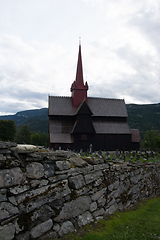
x: 151, y: 140
x: 36, y: 138
x: 23, y: 134
x: 40, y: 139
x: 7, y: 130
x: 44, y: 139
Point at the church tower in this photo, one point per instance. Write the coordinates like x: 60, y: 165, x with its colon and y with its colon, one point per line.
x: 78, y: 89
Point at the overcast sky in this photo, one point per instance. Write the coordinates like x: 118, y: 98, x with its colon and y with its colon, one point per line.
x: 39, y: 42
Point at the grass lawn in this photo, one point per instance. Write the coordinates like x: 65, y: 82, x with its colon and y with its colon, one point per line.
x: 142, y: 223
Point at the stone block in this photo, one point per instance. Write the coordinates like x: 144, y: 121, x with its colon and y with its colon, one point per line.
x: 35, y: 170
x: 25, y: 148
x: 61, y: 154
x: 110, y: 187
x: 57, y: 204
x: 7, y: 210
x: 116, y: 193
x: 116, y: 184
x: 112, y: 209
x: 3, y: 196
x: 74, y: 171
x: 98, y: 194
x: 41, y: 228
x: 23, y: 236
x: 34, y: 157
x: 66, y: 228
x: 74, y: 208
x: 62, y: 165
x: 76, y: 182
x: 12, y: 200
x: 78, y: 162
x: 5, y: 151
x: 91, y: 177
x: 31, y: 194
x: 44, y: 213
x: 101, y: 166
x: 135, y: 179
x: 7, y: 232
x: 51, y: 235
x: 38, y: 197
x: 19, y: 189
x: 84, y: 219
x: 82, y: 191
x: 98, y: 160
x: 98, y: 182
x: 10, y: 144
x: 86, y: 170
x: 56, y: 227
x: 11, y: 177
x: 100, y: 212
x: 93, y: 207
x: 39, y: 183
x: 49, y: 170
x: 101, y: 201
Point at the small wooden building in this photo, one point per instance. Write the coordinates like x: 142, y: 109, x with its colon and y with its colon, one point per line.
x: 136, y: 139
x: 79, y: 122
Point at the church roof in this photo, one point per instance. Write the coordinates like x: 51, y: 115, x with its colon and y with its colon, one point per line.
x: 62, y: 106
x: 111, y: 127
x: 107, y: 107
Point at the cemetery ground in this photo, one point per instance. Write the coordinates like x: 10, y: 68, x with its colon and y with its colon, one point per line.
x: 140, y: 223
x: 133, y: 156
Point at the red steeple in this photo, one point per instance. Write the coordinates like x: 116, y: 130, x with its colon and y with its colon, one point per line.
x: 78, y: 89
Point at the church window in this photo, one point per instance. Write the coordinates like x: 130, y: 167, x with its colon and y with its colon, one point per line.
x: 83, y: 137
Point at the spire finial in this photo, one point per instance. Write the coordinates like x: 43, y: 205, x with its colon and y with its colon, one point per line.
x: 79, y: 41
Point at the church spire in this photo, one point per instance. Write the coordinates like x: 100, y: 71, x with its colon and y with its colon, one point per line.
x: 78, y: 89
x: 79, y: 73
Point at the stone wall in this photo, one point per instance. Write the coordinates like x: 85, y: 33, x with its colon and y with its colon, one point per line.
x: 45, y: 195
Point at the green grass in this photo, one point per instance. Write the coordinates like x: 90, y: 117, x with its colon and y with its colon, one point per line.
x: 131, y: 158
x: 140, y: 224
x: 134, y: 158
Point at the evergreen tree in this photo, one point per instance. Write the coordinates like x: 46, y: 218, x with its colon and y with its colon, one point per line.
x: 23, y: 134
x: 7, y: 130
x: 36, y: 138
x: 151, y: 140
x: 39, y: 139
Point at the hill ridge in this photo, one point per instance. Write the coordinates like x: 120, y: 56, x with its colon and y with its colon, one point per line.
x: 142, y: 116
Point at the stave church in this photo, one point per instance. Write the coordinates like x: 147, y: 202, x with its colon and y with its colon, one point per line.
x: 80, y: 122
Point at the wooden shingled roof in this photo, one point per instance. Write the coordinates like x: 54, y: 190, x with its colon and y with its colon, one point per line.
x: 111, y: 127
x: 62, y: 106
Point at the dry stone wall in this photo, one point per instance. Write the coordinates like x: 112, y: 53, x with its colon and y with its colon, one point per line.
x: 49, y: 194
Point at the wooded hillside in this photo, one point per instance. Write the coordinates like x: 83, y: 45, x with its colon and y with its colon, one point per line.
x: 144, y: 117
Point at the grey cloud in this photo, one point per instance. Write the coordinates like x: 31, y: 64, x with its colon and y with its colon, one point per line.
x: 147, y: 24
x: 22, y: 94
x: 18, y: 100
x: 11, y: 107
